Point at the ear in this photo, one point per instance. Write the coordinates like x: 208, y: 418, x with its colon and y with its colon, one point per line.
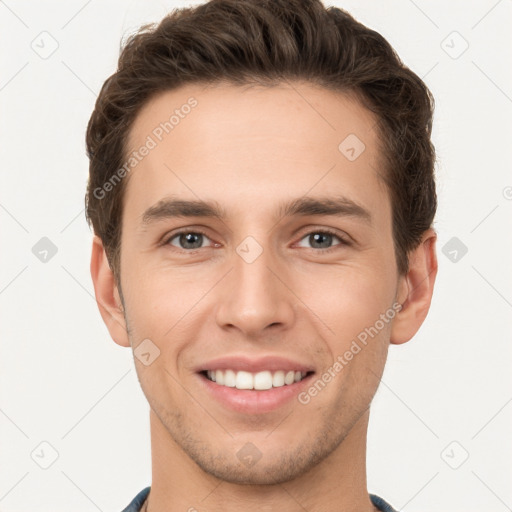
x: 415, y: 289
x: 107, y: 294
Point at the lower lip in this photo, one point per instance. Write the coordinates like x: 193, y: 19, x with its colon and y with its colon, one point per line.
x: 250, y: 401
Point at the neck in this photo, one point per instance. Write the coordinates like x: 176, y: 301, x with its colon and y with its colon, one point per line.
x: 336, y: 483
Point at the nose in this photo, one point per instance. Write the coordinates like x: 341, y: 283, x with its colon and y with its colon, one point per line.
x: 255, y: 298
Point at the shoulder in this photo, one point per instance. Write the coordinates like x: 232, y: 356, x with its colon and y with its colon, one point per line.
x: 382, y: 505
x: 137, y: 502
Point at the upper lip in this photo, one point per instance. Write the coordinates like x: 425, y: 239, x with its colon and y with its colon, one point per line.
x: 254, y: 365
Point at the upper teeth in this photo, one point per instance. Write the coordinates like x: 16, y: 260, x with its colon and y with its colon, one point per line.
x: 260, y: 380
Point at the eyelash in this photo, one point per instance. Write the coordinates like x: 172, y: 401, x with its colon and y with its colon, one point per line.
x: 323, y: 231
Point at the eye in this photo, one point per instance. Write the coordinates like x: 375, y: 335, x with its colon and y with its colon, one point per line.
x: 193, y: 240
x: 187, y: 240
x: 323, y: 239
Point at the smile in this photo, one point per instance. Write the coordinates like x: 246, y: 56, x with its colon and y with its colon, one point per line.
x: 256, y: 381
x: 254, y: 393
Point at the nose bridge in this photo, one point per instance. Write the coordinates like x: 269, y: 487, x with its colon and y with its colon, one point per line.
x: 257, y: 298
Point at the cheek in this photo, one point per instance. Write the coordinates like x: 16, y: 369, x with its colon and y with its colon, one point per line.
x: 157, y: 299
x: 162, y: 313
x: 348, y: 299
x: 165, y: 310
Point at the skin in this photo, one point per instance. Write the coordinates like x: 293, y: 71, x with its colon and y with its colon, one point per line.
x: 250, y: 149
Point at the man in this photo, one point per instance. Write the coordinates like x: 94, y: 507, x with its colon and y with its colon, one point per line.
x: 262, y: 196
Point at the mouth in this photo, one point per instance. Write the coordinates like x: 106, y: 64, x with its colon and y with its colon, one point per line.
x: 249, y: 393
x: 256, y: 381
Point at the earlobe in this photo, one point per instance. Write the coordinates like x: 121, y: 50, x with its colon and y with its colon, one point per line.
x: 415, y: 289
x: 107, y: 294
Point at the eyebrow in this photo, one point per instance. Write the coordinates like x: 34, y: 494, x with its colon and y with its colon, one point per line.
x: 304, y: 206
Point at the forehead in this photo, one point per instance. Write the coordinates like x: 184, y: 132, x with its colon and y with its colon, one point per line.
x: 248, y: 146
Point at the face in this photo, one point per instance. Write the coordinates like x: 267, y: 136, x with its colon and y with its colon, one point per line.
x: 286, y: 265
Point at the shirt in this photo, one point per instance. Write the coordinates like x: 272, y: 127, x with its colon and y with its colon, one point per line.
x: 137, y: 502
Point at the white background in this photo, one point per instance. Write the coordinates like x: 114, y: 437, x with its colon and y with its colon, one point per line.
x: 65, y: 382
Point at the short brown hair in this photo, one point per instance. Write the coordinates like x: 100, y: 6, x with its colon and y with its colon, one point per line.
x: 268, y: 42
